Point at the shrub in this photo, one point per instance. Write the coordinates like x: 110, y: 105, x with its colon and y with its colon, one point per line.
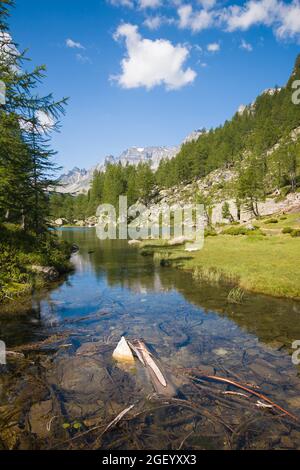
x: 236, y: 231
x: 295, y: 233
x: 287, y: 230
x: 285, y: 190
x: 210, y: 232
x: 271, y: 221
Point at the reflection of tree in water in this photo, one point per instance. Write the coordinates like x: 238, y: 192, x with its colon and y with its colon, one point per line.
x: 272, y: 320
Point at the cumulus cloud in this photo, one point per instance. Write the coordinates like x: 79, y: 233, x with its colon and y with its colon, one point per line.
x: 252, y: 13
x: 150, y: 63
x: 283, y: 17
x: 195, y: 20
x: 290, y: 20
x: 213, y: 47
x: 73, y: 44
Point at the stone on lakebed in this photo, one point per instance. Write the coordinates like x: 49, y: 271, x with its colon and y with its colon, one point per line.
x: 123, y: 353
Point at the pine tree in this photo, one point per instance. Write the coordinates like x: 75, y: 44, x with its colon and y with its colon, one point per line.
x: 26, y: 120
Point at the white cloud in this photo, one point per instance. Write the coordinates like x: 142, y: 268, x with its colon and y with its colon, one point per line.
x: 207, y: 3
x: 196, y: 21
x: 154, y: 22
x: 246, y: 45
x: 122, y: 3
x: 149, y: 3
x: 73, y: 44
x: 44, y: 123
x: 213, y: 47
x: 254, y: 12
x: 283, y: 17
x: 150, y: 63
x: 8, y: 51
x: 290, y: 20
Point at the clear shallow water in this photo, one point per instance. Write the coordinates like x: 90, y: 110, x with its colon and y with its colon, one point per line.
x: 71, y: 382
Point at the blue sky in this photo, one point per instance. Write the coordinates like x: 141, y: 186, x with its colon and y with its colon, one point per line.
x: 148, y: 72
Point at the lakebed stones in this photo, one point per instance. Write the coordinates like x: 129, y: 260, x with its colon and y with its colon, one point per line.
x: 84, y: 383
x: 83, y: 377
x: 39, y: 417
x: 265, y: 371
x: 93, y: 348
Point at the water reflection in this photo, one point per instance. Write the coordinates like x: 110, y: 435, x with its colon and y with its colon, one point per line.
x: 113, y: 292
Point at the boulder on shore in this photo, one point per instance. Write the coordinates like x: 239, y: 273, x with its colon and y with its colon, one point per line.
x: 48, y: 272
x: 60, y: 222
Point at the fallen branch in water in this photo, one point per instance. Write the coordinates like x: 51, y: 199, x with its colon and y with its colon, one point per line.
x: 118, y: 418
x: 252, y: 392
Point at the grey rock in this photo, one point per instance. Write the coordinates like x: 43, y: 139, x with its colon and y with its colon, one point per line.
x: 39, y: 416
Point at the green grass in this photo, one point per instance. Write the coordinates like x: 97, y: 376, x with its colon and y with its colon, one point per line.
x: 268, y: 265
x: 286, y: 220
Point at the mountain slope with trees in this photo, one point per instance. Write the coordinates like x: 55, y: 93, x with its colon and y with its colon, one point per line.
x: 260, y: 144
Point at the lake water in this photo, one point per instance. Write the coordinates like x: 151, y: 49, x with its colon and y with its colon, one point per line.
x: 61, y: 387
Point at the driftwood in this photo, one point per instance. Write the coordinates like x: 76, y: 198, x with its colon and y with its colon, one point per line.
x: 161, y: 383
x: 252, y: 392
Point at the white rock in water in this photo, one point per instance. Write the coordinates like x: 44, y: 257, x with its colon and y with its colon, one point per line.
x: 123, y: 353
x: 134, y: 242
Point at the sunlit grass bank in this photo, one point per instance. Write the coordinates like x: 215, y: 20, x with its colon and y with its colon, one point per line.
x: 263, y: 264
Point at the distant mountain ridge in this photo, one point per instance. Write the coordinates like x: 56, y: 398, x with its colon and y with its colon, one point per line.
x: 79, y: 180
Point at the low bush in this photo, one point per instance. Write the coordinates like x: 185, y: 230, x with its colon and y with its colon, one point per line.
x: 236, y: 231
x: 287, y: 230
x: 210, y: 232
x: 20, y: 251
x: 295, y: 233
x: 271, y: 221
